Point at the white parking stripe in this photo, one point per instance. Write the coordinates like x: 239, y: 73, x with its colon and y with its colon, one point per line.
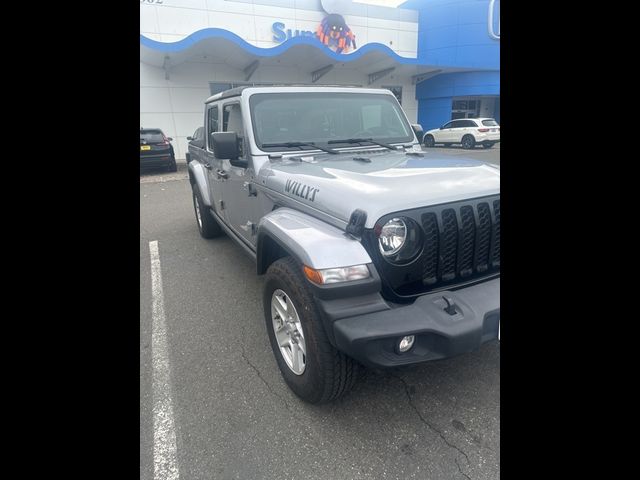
x: 165, y: 465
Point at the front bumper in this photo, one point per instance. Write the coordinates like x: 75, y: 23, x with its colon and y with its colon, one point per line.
x: 371, y: 338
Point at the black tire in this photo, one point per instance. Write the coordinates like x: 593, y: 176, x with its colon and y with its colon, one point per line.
x: 328, y: 373
x: 487, y: 145
x: 207, y: 226
x: 468, y: 142
x: 429, y: 141
x: 187, y: 157
x: 172, y: 167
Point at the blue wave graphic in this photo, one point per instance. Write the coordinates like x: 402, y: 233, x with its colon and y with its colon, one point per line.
x: 206, y: 33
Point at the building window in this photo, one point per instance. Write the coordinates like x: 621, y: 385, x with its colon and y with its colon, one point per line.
x: 468, y: 107
x: 397, y: 91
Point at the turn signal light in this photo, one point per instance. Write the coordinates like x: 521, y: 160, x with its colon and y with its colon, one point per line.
x: 336, y: 275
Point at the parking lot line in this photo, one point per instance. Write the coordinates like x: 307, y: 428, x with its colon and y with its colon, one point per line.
x: 165, y: 465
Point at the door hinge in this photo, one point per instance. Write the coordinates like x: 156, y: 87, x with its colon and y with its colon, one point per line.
x: 252, y: 190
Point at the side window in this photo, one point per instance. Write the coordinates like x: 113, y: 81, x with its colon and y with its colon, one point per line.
x: 232, y: 122
x: 457, y: 124
x: 212, y: 121
x: 447, y: 125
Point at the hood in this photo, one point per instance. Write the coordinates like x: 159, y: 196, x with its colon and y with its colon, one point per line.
x: 390, y: 182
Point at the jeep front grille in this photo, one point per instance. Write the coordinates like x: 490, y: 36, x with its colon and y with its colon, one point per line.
x: 461, y: 243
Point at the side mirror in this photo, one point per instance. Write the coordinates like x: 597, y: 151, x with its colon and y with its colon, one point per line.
x: 417, y: 129
x: 189, y: 138
x: 225, y: 146
x: 170, y: 139
x: 441, y: 127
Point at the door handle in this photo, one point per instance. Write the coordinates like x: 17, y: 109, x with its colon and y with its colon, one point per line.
x: 222, y: 174
x: 207, y: 166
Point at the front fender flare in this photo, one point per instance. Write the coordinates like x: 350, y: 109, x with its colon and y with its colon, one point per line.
x: 311, y: 241
x: 198, y: 175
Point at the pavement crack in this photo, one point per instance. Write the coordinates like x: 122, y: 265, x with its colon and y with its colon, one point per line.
x: 460, y: 469
x: 431, y: 427
x: 255, y: 369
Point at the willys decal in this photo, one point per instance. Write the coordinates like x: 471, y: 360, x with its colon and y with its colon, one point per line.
x: 301, y: 190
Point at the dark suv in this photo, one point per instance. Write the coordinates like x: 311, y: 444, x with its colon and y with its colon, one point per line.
x: 196, y: 145
x: 156, y: 149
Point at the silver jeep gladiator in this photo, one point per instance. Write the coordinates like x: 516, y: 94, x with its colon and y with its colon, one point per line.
x: 374, y: 252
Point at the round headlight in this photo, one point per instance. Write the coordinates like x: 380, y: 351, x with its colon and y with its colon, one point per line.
x: 400, y: 240
x: 392, y: 236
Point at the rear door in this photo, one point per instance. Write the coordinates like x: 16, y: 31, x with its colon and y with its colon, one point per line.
x: 468, y: 126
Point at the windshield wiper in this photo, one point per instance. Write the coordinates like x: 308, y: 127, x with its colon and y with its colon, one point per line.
x: 300, y: 144
x: 361, y: 140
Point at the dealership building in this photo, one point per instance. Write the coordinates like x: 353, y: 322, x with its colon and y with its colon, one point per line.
x: 441, y: 58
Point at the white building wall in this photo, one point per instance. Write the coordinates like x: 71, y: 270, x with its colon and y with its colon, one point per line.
x: 177, y: 105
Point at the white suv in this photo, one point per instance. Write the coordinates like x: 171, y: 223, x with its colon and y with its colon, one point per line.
x: 467, y: 131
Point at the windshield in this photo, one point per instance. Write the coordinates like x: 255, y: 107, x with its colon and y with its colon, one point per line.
x: 489, y: 123
x: 325, y: 117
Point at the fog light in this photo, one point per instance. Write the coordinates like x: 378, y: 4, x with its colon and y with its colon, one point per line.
x: 406, y: 343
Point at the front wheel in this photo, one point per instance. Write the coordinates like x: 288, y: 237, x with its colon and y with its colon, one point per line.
x: 207, y: 225
x: 468, y: 142
x: 429, y: 141
x: 311, y: 367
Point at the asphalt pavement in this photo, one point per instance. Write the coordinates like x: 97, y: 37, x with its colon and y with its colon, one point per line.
x: 234, y: 416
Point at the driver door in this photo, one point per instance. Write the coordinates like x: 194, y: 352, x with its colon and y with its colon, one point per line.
x: 237, y: 187
x: 443, y: 134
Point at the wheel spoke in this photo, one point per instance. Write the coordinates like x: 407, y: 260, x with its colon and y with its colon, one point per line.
x: 295, y: 356
x: 301, y: 344
x: 282, y: 312
x: 283, y: 339
x: 288, y: 333
x: 281, y: 305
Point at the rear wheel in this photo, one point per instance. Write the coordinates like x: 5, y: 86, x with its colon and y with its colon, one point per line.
x: 468, y: 142
x: 207, y: 225
x: 429, y: 141
x: 311, y: 367
x: 172, y: 167
x: 487, y: 145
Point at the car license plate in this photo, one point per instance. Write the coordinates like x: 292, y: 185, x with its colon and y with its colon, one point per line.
x: 145, y: 147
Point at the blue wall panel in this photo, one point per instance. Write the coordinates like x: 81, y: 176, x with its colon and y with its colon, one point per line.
x: 434, y: 112
x: 435, y: 94
x: 455, y: 33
